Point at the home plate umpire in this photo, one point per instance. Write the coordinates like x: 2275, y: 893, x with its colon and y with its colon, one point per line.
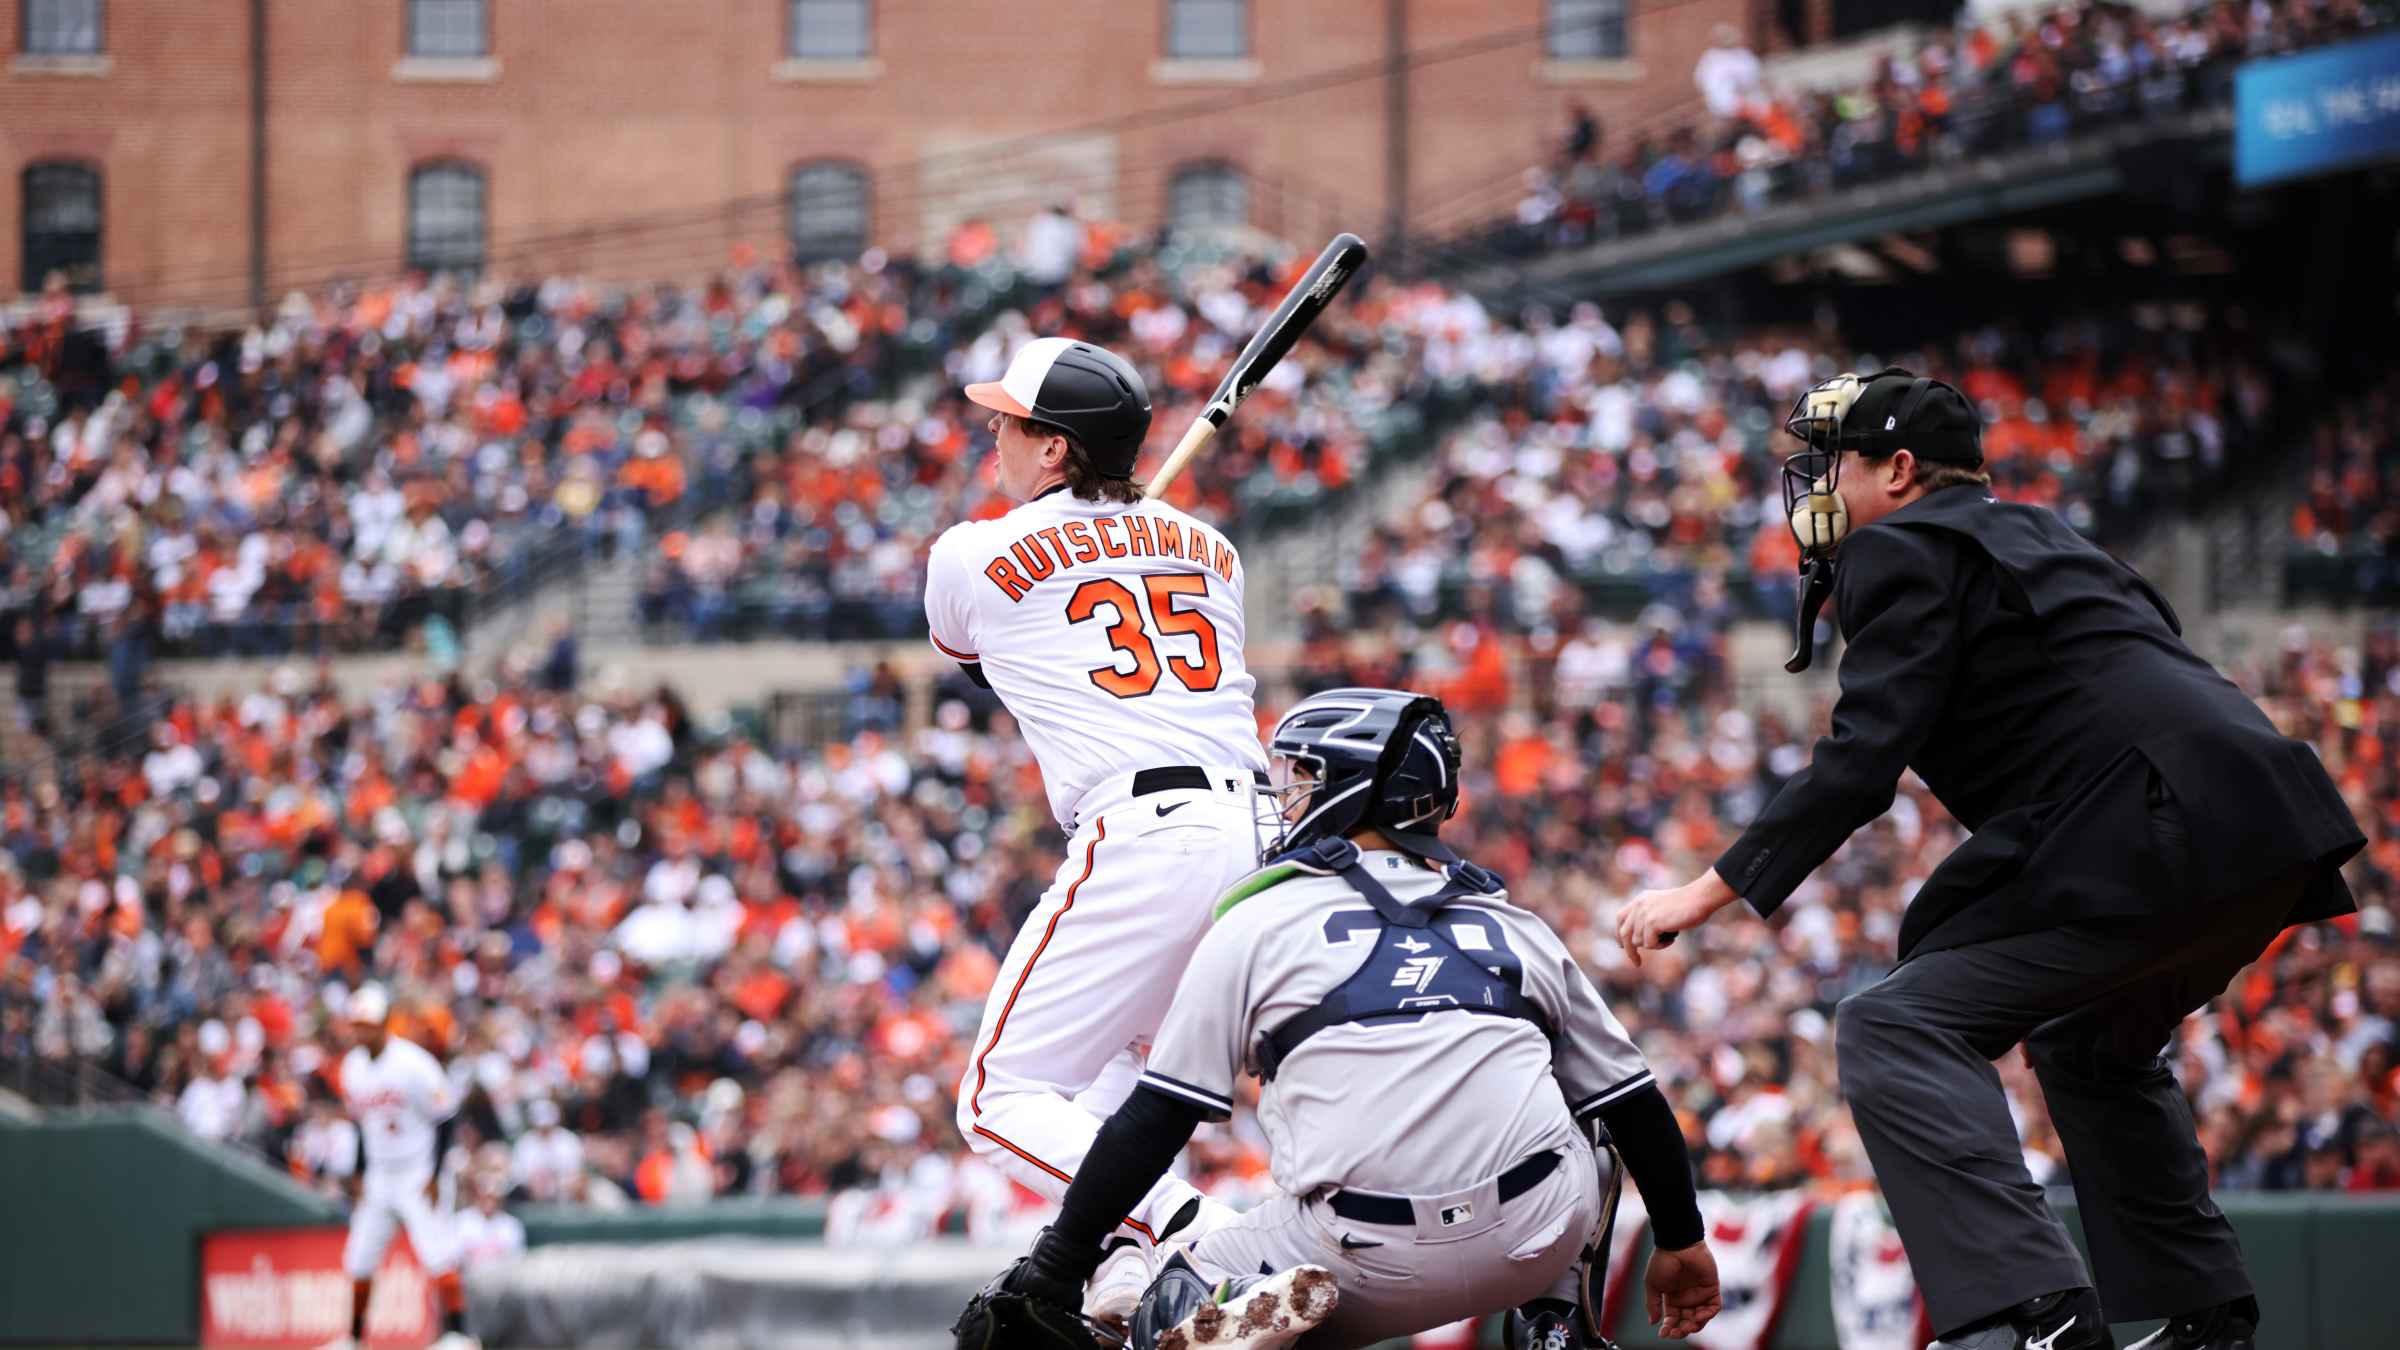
x: 2140, y: 833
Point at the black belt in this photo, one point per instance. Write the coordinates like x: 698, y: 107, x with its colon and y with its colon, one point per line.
x: 1175, y: 776
x: 1391, y: 1209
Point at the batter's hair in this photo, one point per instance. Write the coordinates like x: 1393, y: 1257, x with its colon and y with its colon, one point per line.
x: 1083, y: 478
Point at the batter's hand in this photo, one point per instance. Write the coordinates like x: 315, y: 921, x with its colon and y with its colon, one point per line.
x: 1652, y: 919
x: 1680, y: 1292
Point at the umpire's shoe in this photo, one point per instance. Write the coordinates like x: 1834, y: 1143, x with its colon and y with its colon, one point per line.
x: 1547, y: 1324
x: 2067, y: 1320
x: 2227, y: 1326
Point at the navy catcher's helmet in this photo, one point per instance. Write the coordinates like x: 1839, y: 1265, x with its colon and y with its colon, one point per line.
x: 1357, y: 759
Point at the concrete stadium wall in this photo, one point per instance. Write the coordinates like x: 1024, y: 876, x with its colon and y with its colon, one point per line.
x: 2320, y: 1262
x: 106, y: 1210
x: 100, y: 1242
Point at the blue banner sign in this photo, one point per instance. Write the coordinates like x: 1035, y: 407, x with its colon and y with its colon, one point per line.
x: 2317, y: 111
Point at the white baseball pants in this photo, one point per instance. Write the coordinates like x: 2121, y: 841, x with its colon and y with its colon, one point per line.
x: 1088, y: 979
x: 387, y: 1203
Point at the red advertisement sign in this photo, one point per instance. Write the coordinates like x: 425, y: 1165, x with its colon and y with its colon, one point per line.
x: 284, y: 1289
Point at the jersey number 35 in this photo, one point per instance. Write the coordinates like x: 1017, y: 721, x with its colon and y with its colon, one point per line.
x: 1126, y: 634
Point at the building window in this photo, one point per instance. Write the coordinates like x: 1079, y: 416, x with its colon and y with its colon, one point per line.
x: 446, y: 227
x: 1208, y: 30
x: 829, y: 212
x: 62, y: 225
x: 449, y: 29
x: 830, y: 30
x: 1586, y: 30
x: 1208, y: 197
x: 62, y: 28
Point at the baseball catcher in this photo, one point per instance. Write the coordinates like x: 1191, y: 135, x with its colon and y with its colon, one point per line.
x: 1434, y: 1064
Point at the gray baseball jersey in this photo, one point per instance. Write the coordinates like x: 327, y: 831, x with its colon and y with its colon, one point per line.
x: 1404, y: 1108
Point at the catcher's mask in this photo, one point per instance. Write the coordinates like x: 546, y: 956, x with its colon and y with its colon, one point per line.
x: 1355, y: 759
x: 1875, y: 416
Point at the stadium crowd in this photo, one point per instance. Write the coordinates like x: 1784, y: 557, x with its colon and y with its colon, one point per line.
x: 667, y: 961
x: 378, y: 454
x: 2026, y: 78
x: 1640, y: 464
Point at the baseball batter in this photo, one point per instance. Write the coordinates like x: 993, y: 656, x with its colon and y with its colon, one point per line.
x: 403, y: 1103
x: 1432, y: 1058
x: 1111, y: 628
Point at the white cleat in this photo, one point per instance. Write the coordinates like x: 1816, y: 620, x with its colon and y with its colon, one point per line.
x: 1117, y: 1286
x: 1267, y: 1313
x: 457, y: 1340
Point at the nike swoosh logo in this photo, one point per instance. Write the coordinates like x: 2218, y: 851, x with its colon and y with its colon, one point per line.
x: 1351, y: 1244
x: 1164, y: 809
x: 2045, y: 1342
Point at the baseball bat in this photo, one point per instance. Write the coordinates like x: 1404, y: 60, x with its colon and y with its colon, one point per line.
x: 1307, y: 299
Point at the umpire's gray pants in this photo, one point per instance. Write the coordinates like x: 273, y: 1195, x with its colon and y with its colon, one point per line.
x: 1403, y: 1278
x: 2093, y: 1003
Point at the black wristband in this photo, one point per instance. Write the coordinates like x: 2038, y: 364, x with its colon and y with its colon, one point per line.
x: 1651, y: 1142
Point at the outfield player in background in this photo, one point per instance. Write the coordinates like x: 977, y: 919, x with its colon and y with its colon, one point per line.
x: 1111, y: 628
x: 404, y: 1105
x: 1432, y: 1058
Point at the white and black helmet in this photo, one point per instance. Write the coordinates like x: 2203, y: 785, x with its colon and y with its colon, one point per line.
x: 1089, y: 392
x: 1380, y: 759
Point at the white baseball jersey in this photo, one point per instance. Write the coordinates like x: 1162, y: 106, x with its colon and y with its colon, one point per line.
x: 398, y: 1098
x: 1111, y: 631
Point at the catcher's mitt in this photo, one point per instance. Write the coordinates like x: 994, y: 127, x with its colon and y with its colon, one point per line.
x: 1003, y: 1317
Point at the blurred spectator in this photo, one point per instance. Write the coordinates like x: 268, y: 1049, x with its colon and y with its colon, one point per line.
x: 1727, y: 75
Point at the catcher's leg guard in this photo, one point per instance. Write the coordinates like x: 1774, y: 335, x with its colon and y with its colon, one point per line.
x: 1173, y: 1296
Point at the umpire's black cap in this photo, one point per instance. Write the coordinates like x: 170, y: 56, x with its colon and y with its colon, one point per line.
x: 1900, y: 410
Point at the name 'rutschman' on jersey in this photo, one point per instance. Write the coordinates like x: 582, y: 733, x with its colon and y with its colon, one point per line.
x: 1112, y: 632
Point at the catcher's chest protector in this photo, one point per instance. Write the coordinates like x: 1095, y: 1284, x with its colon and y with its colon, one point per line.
x: 1424, y: 958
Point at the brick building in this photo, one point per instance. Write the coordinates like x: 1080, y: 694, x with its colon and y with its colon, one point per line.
x: 181, y: 153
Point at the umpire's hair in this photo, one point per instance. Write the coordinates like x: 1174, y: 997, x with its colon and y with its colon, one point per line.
x: 1935, y: 474
x: 1084, y: 479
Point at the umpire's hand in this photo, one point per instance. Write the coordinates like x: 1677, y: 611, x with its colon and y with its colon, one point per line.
x: 1651, y: 920
x: 1679, y: 1291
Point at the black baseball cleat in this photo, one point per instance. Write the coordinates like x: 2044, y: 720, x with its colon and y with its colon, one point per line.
x: 1547, y: 1324
x: 2227, y: 1326
x: 2067, y: 1320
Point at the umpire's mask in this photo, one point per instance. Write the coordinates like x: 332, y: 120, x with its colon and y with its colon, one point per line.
x: 1873, y: 415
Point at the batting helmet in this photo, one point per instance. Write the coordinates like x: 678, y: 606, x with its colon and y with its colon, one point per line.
x: 1091, y: 393
x: 1359, y: 759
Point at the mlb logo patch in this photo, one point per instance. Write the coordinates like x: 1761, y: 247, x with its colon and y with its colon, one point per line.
x: 1456, y: 1215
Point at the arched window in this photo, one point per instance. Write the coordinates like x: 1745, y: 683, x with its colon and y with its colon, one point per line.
x: 62, y: 225
x: 828, y: 211
x: 1208, y: 197
x: 446, y: 218
x: 1208, y: 30
x: 1586, y: 30
x: 830, y: 30
x: 61, y: 27
x: 449, y: 29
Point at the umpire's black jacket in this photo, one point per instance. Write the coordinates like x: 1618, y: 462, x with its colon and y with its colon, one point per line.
x: 2044, y: 693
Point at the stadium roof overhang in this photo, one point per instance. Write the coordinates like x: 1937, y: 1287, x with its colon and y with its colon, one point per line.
x: 1985, y: 188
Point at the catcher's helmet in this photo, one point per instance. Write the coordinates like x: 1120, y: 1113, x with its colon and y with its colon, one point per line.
x: 1356, y: 759
x: 1091, y: 393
